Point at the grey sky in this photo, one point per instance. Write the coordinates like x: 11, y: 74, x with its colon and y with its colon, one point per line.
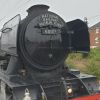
x: 68, y: 9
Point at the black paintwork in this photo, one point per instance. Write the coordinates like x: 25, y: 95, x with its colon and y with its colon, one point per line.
x: 79, y: 36
x: 44, y: 41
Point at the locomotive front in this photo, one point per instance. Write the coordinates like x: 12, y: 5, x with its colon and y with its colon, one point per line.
x: 38, y: 46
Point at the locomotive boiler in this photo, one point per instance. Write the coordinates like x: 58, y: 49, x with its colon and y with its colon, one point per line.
x: 36, y: 48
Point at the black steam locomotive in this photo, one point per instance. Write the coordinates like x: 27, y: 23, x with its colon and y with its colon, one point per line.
x: 36, y: 48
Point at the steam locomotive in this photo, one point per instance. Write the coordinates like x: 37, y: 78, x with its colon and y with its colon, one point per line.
x: 36, y: 48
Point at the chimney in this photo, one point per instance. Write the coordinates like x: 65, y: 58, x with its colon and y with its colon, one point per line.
x: 37, y: 9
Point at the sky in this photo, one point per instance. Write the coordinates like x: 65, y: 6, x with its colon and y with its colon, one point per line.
x: 67, y: 9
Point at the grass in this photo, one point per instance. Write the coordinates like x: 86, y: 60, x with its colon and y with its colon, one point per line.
x: 88, y: 64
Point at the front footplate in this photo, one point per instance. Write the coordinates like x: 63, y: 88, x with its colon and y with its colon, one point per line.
x: 90, y: 97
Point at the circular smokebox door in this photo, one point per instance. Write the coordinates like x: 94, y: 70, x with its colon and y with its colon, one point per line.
x: 43, y: 43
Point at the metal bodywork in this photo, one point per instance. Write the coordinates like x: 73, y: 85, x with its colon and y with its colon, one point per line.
x: 35, y: 64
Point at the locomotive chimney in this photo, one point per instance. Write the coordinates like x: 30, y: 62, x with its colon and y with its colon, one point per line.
x: 37, y: 9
